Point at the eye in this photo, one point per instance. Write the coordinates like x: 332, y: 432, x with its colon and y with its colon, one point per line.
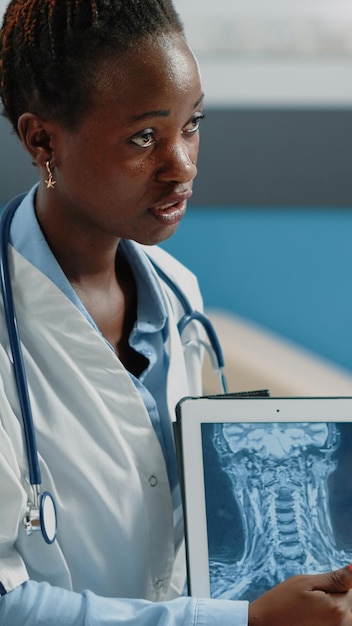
x: 194, y: 123
x: 144, y: 139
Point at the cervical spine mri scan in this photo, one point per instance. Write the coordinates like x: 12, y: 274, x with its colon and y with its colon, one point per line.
x: 279, y: 476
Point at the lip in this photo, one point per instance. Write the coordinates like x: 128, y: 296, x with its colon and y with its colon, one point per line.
x: 170, y: 210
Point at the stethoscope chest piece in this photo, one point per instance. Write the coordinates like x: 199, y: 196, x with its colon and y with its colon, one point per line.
x: 42, y: 518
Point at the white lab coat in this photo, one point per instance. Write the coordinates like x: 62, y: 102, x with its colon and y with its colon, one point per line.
x: 99, y: 455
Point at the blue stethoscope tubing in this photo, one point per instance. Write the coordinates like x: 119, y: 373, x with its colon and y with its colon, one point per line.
x: 191, y: 315
x: 41, y: 513
x: 14, y: 338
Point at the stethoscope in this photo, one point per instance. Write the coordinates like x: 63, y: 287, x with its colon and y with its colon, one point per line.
x: 41, y: 510
x: 190, y: 315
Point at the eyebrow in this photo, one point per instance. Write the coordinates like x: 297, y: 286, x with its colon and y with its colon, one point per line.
x: 160, y: 112
x: 197, y: 102
x: 156, y: 113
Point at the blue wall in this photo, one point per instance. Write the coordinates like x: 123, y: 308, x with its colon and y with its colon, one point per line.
x: 286, y: 269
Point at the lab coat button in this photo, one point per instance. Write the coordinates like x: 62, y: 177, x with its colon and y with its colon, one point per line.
x: 153, y: 481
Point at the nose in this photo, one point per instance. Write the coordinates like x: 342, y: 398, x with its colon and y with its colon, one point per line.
x: 177, y: 163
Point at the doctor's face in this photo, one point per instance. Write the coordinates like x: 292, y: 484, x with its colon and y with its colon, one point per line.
x: 127, y: 170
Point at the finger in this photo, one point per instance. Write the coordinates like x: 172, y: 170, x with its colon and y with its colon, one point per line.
x: 338, y: 581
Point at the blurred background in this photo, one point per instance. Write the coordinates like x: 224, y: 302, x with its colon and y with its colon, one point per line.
x: 268, y: 231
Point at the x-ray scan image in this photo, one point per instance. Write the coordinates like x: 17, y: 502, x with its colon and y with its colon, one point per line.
x: 278, y: 500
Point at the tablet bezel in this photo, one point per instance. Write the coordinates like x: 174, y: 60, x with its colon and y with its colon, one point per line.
x: 191, y: 413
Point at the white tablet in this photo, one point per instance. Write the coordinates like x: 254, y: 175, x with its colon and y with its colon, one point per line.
x: 267, y: 488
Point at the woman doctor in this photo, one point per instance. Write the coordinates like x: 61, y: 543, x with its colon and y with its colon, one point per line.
x: 106, y: 97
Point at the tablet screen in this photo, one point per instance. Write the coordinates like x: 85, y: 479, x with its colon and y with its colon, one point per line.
x: 267, y: 491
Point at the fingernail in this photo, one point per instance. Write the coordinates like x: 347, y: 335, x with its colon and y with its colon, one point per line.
x: 350, y: 567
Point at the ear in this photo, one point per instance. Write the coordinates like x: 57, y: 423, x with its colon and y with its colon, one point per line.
x: 36, y: 136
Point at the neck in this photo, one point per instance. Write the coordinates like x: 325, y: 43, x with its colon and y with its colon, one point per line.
x: 86, y: 257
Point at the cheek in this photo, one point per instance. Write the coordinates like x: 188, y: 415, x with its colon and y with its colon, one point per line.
x: 141, y: 167
x: 195, y: 148
x: 77, y: 167
x: 82, y: 155
x: 102, y: 168
x: 85, y: 171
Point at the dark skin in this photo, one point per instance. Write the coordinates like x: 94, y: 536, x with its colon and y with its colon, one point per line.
x: 320, y: 600
x: 133, y: 153
x: 126, y: 172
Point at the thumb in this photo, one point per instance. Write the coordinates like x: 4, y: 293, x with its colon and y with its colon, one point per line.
x: 338, y: 581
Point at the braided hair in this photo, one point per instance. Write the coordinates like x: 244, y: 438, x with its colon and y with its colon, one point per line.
x: 49, y: 50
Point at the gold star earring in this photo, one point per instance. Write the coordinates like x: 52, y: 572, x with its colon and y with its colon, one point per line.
x: 51, y: 182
